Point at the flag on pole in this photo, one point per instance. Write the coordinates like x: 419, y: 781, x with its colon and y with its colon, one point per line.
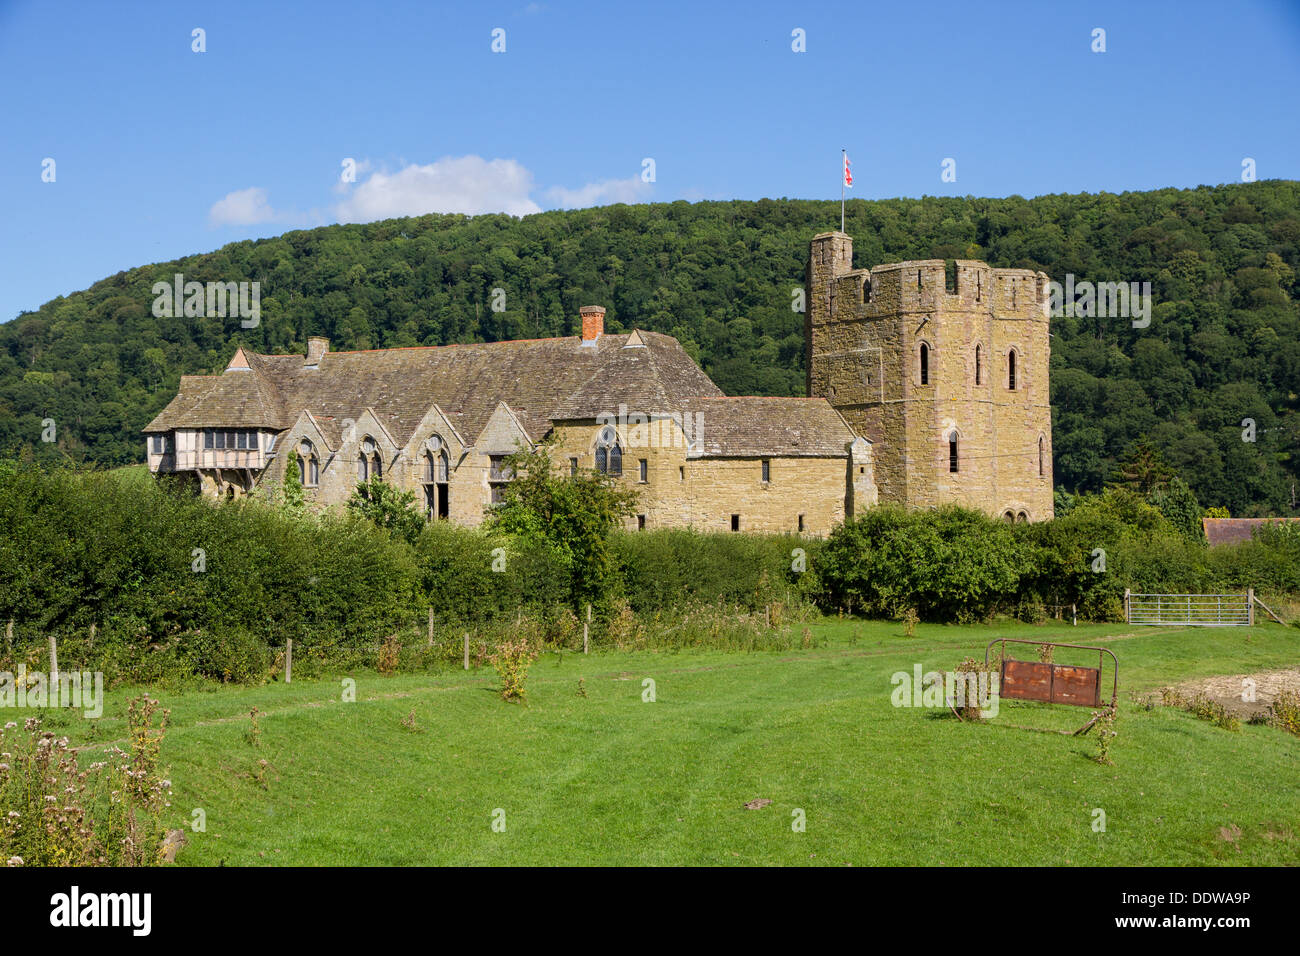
x: 848, y: 172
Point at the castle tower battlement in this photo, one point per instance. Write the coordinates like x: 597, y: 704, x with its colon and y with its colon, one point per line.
x: 943, y: 365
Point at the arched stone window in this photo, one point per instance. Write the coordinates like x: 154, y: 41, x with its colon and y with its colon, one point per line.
x: 925, y: 364
x: 308, y: 464
x: 609, y: 455
x: 369, y: 464
x: 1011, y: 370
x: 1008, y: 516
x: 1022, y: 517
x: 953, y: 461
x: 1042, y: 446
x: 437, y: 498
x: 979, y: 366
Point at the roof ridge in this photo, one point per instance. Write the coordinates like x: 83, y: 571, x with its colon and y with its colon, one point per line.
x: 782, y: 398
x: 446, y: 345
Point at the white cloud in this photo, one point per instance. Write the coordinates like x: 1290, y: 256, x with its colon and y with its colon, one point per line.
x: 468, y: 184
x: 243, y: 207
x: 630, y: 190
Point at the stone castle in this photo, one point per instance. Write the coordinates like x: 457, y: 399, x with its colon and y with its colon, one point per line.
x: 943, y: 367
x: 926, y: 385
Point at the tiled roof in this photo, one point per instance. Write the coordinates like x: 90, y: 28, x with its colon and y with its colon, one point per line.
x: 541, y: 380
x: 1234, y: 530
x: 234, y: 399
x: 748, y: 427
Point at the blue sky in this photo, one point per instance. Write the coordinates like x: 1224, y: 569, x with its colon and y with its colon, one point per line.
x: 160, y: 151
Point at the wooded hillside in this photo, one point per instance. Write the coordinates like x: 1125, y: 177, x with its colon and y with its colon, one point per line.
x: 1223, y: 344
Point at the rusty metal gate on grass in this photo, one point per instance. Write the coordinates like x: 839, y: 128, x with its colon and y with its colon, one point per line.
x: 1050, y: 683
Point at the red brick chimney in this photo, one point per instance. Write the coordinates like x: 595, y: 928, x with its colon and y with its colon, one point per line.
x: 593, y: 323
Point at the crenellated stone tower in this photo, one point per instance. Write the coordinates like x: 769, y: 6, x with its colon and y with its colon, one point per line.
x: 944, y: 367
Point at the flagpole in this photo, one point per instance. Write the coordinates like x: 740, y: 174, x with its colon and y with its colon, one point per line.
x: 844, y: 155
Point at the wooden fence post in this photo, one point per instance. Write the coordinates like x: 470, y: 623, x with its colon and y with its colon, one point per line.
x: 467, y: 650
x: 93, y: 628
x: 431, y: 627
x: 1074, y: 615
x: 288, y: 661
x: 586, y: 625
x: 1250, y: 606
x: 1128, y: 613
x: 54, y: 661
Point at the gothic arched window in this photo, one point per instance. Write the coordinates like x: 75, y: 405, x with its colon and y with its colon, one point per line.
x: 925, y: 364
x: 308, y: 464
x: 609, y: 456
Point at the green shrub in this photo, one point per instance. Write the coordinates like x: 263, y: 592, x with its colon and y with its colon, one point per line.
x: 950, y: 564
x: 680, y: 568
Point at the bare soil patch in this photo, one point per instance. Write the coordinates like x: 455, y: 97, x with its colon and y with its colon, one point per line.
x: 1228, y: 689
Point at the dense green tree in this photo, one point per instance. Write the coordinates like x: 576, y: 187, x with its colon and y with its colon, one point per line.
x: 388, y: 507
x: 574, y: 515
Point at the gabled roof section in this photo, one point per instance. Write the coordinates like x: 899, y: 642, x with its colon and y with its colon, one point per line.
x: 503, y: 431
x: 1235, y: 530
x: 237, y: 398
x: 651, y: 380
x: 751, y: 427
x: 363, y: 427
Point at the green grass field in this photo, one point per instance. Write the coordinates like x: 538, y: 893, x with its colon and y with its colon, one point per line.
x: 610, y: 779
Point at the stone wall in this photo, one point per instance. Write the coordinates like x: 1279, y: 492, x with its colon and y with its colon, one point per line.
x: 704, y: 493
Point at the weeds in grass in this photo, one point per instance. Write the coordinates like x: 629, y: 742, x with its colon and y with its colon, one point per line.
x: 511, y: 659
x: 582, y: 687
x: 971, y: 704
x: 1203, y: 707
x: 53, y: 813
x: 1045, y: 653
x: 910, y: 619
x: 1284, y: 712
x: 409, y: 722
x: 254, y: 733
x: 1105, y: 734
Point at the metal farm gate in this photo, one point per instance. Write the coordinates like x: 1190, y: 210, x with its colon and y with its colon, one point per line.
x: 1203, y: 610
